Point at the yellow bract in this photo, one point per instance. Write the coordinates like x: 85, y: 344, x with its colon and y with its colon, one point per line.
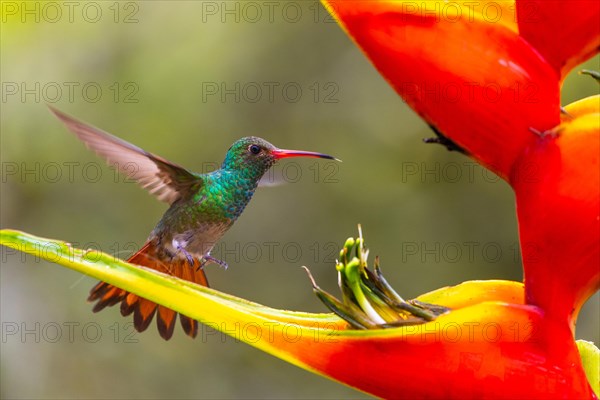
x: 587, y: 106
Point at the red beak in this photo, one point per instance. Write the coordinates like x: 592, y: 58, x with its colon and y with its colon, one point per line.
x: 281, y: 153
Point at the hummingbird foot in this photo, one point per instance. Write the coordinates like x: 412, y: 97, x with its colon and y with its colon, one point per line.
x: 208, y: 258
x: 187, y: 255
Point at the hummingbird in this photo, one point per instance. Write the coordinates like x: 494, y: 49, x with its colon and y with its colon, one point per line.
x: 202, y: 207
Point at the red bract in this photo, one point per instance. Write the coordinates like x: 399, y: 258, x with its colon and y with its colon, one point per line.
x: 557, y: 183
x: 498, y: 355
x: 478, y: 82
x: 489, y: 346
x: 565, y: 33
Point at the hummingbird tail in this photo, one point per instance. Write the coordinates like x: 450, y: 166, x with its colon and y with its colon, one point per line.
x: 143, y: 310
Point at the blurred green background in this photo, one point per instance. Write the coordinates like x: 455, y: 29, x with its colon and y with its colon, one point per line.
x: 184, y: 80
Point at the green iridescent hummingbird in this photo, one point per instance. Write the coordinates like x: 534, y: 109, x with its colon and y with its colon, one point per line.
x: 202, y: 208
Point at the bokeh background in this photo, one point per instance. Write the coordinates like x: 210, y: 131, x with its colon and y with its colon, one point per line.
x: 184, y: 79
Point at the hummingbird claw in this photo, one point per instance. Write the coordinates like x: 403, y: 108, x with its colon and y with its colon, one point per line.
x: 187, y: 255
x: 209, y: 258
x: 190, y: 259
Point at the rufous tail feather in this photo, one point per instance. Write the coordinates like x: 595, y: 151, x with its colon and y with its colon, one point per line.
x: 143, y: 310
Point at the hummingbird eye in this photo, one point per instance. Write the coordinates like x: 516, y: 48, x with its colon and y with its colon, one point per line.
x: 254, y: 149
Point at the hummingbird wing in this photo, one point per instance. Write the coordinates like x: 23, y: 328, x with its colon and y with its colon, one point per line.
x: 162, y: 178
x: 273, y: 178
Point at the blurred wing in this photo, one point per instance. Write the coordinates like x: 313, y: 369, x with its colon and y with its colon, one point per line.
x: 273, y: 177
x: 165, y: 180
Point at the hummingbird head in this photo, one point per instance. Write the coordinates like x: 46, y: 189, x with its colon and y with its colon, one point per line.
x: 257, y: 155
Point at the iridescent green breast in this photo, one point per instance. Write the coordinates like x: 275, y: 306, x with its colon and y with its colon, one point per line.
x: 220, y: 201
x: 226, y: 193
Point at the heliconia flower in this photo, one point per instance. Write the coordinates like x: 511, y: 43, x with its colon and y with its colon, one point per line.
x: 487, y: 75
x: 490, y: 345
